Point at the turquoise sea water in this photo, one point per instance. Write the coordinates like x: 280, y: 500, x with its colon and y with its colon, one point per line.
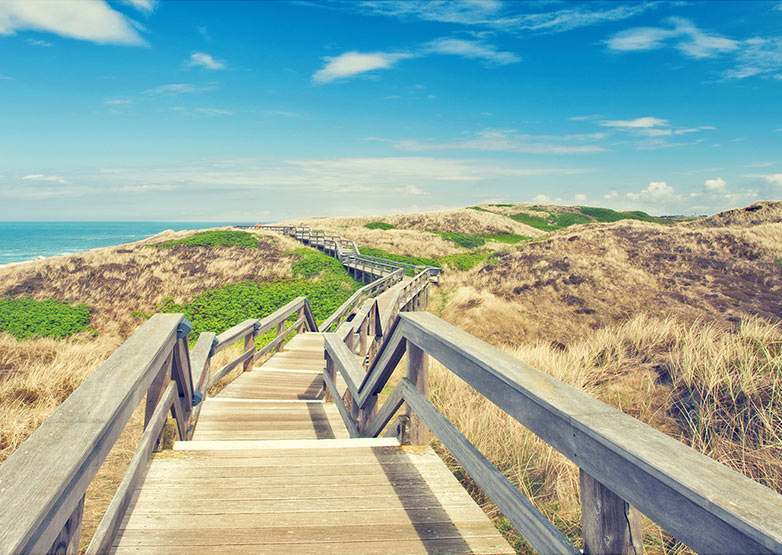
x: 20, y: 241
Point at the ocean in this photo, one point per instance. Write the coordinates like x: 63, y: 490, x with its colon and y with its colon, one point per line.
x: 21, y: 241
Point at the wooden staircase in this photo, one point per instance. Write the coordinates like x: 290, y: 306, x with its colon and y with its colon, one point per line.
x: 270, y: 469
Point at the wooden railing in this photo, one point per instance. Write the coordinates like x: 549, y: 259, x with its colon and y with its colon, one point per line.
x: 350, y: 306
x: 625, y: 465
x: 43, y: 483
x: 370, y: 267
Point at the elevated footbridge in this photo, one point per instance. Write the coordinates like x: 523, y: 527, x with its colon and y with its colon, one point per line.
x: 321, y: 445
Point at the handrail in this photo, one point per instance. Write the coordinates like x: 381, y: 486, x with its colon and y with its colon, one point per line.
x: 321, y: 239
x: 701, y: 502
x: 374, y: 288
x: 42, y: 484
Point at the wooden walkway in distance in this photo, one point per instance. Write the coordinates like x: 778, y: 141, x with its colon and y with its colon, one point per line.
x: 271, y: 469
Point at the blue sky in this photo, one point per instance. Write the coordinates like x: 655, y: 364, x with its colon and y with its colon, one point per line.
x: 246, y: 111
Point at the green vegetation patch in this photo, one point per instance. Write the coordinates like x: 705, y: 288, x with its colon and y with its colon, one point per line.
x: 464, y: 240
x: 414, y: 260
x: 313, y: 263
x: 320, y: 278
x: 219, y: 238
x: 508, y: 238
x: 551, y: 222
x: 28, y: 318
x: 608, y: 215
x: 464, y: 262
x: 378, y: 225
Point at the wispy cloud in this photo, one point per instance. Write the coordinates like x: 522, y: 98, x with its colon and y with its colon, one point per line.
x: 644, y: 122
x: 206, y: 61
x: 679, y: 33
x: 93, y: 21
x: 213, y: 111
x: 355, y: 63
x: 500, y: 140
x: 471, y: 49
x: 504, y: 16
x: 773, y: 179
x: 117, y: 101
x: 5, y: 78
x: 49, y: 178
x: 146, y: 6
x: 38, y: 42
x: 173, y: 89
x: 755, y: 56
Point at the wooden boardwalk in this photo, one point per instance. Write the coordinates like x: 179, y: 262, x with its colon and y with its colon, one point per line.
x: 270, y: 469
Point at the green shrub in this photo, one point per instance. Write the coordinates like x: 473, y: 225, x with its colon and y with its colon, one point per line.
x: 378, y: 225
x: 464, y: 262
x: 218, y: 238
x: 509, y: 238
x: 608, y: 215
x: 552, y: 221
x: 313, y: 263
x: 414, y: 260
x: 464, y: 240
x: 28, y: 318
x: 479, y: 209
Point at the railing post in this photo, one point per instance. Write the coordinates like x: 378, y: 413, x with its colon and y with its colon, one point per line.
x: 249, y: 343
x: 154, y: 393
x: 418, y: 374
x: 280, y: 329
x: 299, y: 316
x: 331, y: 370
x: 362, y: 338
x: 67, y: 542
x: 608, y: 523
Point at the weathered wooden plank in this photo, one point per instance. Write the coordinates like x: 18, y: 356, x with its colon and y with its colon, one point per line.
x: 112, y: 519
x: 543, y: 536
x: 706, y: 505
x: 608, y: 523
x: 231, y: 335
x: 350, y: 424
x: 44, y: 480
x: 223, y: 372
x: 345, y: 362
x: 386, y: 413
x: 455, y: 546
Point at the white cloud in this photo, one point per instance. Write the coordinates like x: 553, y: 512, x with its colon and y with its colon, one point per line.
x: 717, y: 184
x: 611, y: 195
x: 117, y: 102
x: 91, y: 20
x: 757, y: 57
x: 41, y: 177
x: 505, y: 16
x: 543, y: 199
x: 681, y: 34
x: 213, y: 111
x: 199, y: 59
x: 655, y: 192
x: 501, y: 140
x: 143, y: 5
x: 354, y: 63
x: 773, y: 179
x: 471, y: 49
x: 580, y: 197
x: 37, y: 42
x: 178, y: 88
x: 5, y: 78
x: 645, y: 122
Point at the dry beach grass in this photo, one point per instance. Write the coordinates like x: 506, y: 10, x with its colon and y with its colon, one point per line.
x: 677, y: 325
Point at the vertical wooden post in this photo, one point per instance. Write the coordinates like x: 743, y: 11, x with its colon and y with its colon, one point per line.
x: 608, y: 523
x: 280, y: 329
x: 249, y: 343
x: 331, y: 370
x: 299, y: 315
x: 67, y: 542
x: 362, y: 338
x: 418, y: 374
